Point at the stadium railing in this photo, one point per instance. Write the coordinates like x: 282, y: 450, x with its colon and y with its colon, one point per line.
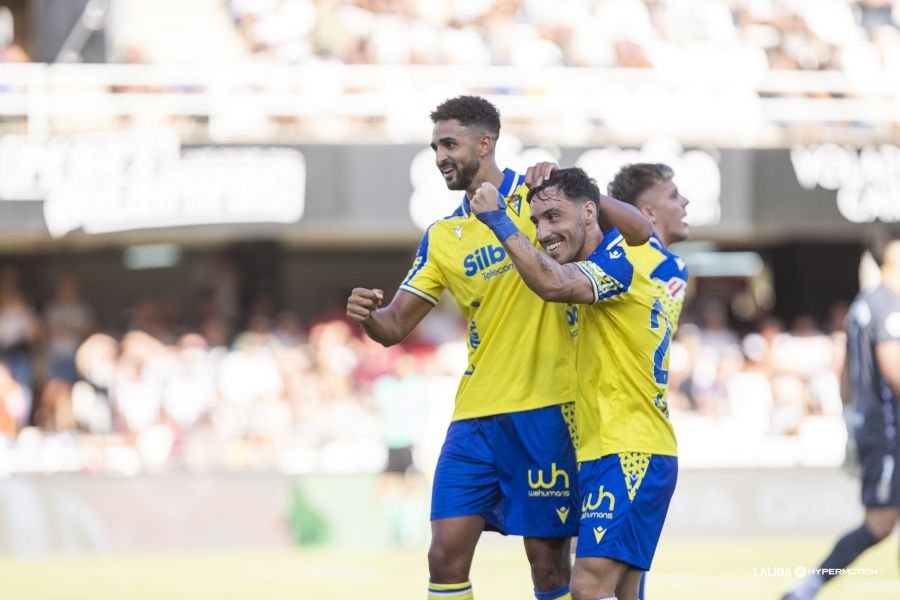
x: 350, y: 103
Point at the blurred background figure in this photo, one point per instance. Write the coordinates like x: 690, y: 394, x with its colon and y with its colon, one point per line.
x: 19, y: 332
x: 873, y: 381
x: 68, y: 320
x: 401, y: 398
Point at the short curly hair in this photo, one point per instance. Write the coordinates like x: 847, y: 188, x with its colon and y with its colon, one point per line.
x: 469, y: 110
x: 573, y: 182
x: 633, y: 180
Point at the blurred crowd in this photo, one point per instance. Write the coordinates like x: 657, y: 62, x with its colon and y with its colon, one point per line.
x: 778, y: 34
x: 771, y: 396
x: 861, y: 37
x: 267, y: 391
x: 216, y: 390
x: 739, y: 51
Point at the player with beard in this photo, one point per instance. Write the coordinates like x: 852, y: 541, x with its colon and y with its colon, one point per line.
x: 508, y: 461
x: 626, y: 445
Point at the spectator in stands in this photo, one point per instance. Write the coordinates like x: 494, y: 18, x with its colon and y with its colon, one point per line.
x: 749, y: 390
x: 68, y: 322
x: 714, y: 330
x: 96, y: 361
x: 13, y: 404
x: 19, y: 331
x: 136, y: 392
x: 189, y: 391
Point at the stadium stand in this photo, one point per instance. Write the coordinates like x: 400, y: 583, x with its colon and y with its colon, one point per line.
x: 210, y: 387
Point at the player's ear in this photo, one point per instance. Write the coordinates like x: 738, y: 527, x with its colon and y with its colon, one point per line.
x: 647, y: 211
x: 485, y: 145
x: 589, y: 212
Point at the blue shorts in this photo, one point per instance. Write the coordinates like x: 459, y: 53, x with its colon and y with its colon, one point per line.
x: 517, y: 470
x: 624, y: 500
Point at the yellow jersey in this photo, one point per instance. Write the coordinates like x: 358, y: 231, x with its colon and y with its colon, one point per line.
x: 671, y: 279
x: 520, y: 348
x: 622, y: 354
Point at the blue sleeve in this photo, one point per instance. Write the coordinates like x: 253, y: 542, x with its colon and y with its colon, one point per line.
x: 609, y: 271
x: 672, y: 267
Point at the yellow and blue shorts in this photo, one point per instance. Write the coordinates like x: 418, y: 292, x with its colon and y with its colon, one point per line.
x: 517, y: 470
x: 624, y: 501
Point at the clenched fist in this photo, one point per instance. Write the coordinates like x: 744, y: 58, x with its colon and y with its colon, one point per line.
x: 362, y: 303
x: 486, y: 199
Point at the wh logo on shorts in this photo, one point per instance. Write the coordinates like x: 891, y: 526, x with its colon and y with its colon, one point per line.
x: 542, y: 488
x: 593, y: 509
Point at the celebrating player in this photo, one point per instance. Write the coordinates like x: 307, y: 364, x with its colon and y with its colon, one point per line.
x: 508, y: 462
x: 651, y: 189
x: 626, y: 446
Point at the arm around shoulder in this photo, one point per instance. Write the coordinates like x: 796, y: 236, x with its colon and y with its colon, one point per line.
x: 634, y: 226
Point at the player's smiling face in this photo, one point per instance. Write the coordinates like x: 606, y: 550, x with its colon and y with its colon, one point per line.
x: 560, y: 223
x: 456, y: 153
x: 668, y: 210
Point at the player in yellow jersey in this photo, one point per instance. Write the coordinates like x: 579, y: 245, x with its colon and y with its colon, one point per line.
x: 508, y: 462
x: 626, y: 447
x: 650, y: 187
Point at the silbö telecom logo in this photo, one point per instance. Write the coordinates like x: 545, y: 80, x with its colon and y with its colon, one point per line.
x: 482, y: 259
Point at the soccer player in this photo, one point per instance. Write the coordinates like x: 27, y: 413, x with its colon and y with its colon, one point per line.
x: 508, y: 462
x: 626, y: 446
x: 651, y: 189
x: 873, y: 375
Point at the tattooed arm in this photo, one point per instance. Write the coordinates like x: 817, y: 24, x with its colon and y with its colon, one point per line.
x: 547, y: 278
x: 550, y: 280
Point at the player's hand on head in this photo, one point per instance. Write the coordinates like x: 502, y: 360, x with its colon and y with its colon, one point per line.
x: 486, y: 199
x: 539, y: 173
x: 362, y: 303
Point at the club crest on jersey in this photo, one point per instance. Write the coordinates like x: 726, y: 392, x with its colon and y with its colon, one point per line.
x: 515, y: 203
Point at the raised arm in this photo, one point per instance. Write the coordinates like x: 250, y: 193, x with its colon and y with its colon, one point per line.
x: 634, y: 226
x: 390, y: 324
x: 547, y: 278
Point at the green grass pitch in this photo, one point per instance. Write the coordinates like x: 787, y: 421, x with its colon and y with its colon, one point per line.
x: 683, y: 570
